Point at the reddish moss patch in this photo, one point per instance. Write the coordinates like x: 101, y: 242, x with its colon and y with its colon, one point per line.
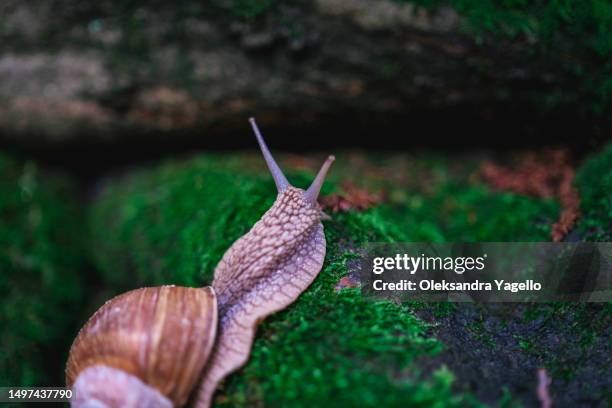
x: 352, y: 197
x: 542, y: 175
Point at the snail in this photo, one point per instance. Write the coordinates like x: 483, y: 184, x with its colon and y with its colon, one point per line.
x: 167, y: 346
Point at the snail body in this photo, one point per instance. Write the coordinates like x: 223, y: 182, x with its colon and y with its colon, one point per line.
x: 164, y: 346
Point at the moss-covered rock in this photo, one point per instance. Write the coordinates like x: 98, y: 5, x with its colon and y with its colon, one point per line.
x: 172, y: 224
x: 40, y: 284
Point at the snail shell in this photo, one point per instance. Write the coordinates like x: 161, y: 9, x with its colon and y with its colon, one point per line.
x: 146, y: 347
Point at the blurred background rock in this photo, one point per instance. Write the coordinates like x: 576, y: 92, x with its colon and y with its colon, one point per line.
x: 169, y: 75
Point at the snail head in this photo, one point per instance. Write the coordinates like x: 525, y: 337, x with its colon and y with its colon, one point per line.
x: 312, y: 193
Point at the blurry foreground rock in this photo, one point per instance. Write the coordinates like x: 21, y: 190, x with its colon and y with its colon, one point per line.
x: 102, y: 71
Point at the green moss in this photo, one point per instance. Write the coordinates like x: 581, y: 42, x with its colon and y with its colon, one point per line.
x: 594, y: 182
x: 471, y: 213
x: 40, y: 285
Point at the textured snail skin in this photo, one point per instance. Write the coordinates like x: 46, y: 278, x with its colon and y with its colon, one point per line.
x: 261, y: 273
x: 161, y: 336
